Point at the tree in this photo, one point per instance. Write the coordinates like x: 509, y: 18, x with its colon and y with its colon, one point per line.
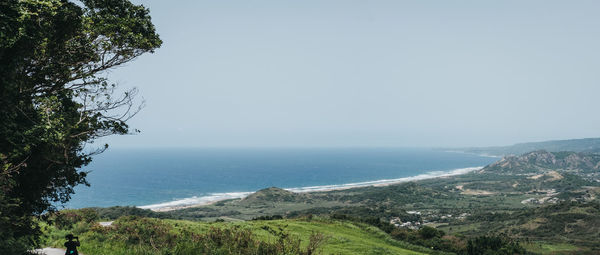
x: 56, y: 98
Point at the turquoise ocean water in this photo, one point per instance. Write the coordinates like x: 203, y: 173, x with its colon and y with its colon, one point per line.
x: 154, y: 178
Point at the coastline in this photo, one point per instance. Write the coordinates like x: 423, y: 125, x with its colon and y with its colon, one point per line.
x: 216, y: 197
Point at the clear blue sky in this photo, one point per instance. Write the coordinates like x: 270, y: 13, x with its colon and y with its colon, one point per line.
x: 367, y: 73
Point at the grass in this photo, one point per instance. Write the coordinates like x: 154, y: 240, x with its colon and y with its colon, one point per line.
x: 453, y: 229
x: 341, y: 237
x: 553, y: 249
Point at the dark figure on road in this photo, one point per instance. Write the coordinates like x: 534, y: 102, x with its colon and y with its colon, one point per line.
x: 72, y: 245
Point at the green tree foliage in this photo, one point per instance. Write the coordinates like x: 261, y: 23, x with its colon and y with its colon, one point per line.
x: 494, y: 245
x: 118, y: 211
x: 55, y: 98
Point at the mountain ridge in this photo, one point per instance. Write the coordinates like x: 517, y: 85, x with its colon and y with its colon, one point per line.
x: 589, y: 145
x: 545, y: 160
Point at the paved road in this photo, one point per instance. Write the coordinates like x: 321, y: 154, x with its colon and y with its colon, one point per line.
x: 51, y: 251
x: 106, y: 223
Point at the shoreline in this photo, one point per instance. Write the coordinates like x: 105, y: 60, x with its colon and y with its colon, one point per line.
x: 216, y: 197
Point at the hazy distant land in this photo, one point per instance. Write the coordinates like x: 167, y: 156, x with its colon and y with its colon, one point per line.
x: 575, y: 145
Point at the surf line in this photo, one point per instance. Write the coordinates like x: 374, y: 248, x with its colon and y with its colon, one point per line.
x: 216, y: 197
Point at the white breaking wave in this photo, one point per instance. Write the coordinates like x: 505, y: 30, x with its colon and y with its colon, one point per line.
x: 215, y: 197
x: 430, y: 175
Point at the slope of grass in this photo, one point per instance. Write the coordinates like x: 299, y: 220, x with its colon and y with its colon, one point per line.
x: 338, y: 237
x: 341, y: 237
x: 555, y: 248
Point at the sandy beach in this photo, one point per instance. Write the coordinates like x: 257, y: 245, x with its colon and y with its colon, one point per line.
x: 216, y: 197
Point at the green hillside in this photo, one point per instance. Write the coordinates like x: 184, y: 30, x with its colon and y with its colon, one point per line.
x: 138, y: 235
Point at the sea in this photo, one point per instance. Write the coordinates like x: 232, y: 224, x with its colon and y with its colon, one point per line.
x: 158, y: 178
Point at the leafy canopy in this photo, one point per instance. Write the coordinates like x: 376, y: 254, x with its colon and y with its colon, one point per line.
x: 55, y: 98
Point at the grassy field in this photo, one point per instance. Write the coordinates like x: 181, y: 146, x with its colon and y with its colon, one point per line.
x: 340, y: 237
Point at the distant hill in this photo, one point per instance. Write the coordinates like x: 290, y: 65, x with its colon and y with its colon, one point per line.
x: 270, y: 195
x: 576, y: 145
x: 542, y: 160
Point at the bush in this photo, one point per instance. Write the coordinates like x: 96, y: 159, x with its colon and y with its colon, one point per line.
x: 134, y: 230
x: 428, y: 232
x: 494, y: 245
x: 140, y: 235
x: 66, y: 219
x: 274, y: 217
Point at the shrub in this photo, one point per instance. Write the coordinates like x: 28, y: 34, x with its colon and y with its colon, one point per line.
x: 428, y: 232
x: 66, y: 219
x: 143, y: 231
